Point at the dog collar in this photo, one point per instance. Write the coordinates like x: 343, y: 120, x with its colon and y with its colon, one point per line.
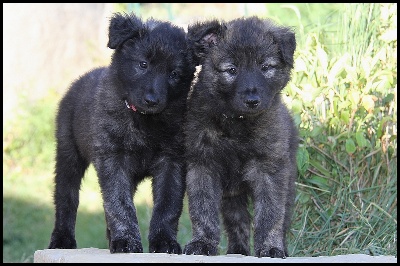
x: 240, y: 116
x: 130, y: 106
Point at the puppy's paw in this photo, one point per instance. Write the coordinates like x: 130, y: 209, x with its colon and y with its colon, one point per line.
x: 125, y: 246
x: 62, y: 242
x: 271, y: 252
x: 171, y: 247
x: 200, y: 248
x: 238, y: 249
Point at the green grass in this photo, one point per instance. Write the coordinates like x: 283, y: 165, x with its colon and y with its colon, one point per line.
x: 343, y: 96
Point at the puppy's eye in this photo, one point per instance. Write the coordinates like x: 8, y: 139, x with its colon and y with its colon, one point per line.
x: 143, y: 64
x: 173, y: 74
x: 232, y: 71
x: 265, y: 67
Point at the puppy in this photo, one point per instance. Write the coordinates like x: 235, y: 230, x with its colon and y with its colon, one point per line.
x: 241, y: 141
x: 127, y: 119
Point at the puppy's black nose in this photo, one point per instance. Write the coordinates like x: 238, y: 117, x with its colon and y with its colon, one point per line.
x: 252, y: 101
x: 151, y: 101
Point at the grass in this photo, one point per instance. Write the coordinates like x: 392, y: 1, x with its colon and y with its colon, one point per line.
x: 343, y: 96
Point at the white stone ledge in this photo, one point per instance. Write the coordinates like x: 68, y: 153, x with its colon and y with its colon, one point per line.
x: 95, y: 255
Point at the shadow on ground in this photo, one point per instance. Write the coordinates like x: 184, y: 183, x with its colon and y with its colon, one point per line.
x: 27, y: 227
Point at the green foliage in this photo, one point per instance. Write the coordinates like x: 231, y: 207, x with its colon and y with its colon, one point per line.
x: 28, y: 139
x: 343, y: 93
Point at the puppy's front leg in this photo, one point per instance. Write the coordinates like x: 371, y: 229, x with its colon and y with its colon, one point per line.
x: 204, y: 195
x: 270, y: 192
x: 117, y: 188
x: 168, y: 192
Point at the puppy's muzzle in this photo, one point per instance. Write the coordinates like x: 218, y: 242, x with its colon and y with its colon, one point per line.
x: 252, y: 101
x: 151, y: 100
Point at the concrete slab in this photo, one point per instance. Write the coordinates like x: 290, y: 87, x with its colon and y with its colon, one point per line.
x: 95, y: 255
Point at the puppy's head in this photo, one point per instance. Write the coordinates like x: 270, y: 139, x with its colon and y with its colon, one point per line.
x: 245, y: 62
x: 150, y: 62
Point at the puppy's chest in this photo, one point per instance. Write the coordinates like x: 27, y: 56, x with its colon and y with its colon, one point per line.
x: 148, y: 132
x: 236, y: 129
x: 232, y: 138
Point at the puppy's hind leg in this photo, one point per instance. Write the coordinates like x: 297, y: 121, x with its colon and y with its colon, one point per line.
x: 70, y: 168
x: 236, y: 219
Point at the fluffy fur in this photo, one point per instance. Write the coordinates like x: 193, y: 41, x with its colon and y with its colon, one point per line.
x: 127, y: 119
x: 241, y: 141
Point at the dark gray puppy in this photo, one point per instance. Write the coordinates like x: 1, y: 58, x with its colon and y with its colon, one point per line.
x: 127, y: 119
x: 241, y: 141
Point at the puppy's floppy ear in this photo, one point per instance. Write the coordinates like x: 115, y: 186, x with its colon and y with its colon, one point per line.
x: 286, y: 40
x: 122, y: 28
x: 202, y: 36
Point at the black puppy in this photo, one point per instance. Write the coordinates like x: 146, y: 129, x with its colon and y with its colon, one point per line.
x: 241, y: 141
x: 127, y: 119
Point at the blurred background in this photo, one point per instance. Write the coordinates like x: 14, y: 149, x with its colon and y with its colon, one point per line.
x: 343, y: 96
